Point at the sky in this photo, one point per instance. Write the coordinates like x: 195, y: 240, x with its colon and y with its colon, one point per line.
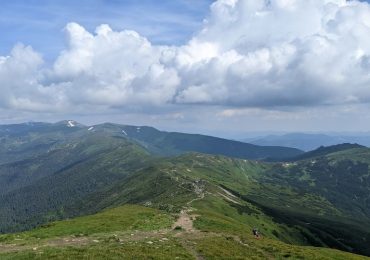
x: 40, y: 23
x: 222, y: 67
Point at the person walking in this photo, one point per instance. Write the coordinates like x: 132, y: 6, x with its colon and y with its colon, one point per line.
x: 256, y: 234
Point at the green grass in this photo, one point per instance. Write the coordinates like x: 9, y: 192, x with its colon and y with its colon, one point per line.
x: 217, y: 215
x: 280, y: 201
x: 249, y: 248
x: 227, y: 248
x: 221, y: 247
x: 131, y: 232
x: 133, y: 250
x: 129, y: 217
x: 282, y: 251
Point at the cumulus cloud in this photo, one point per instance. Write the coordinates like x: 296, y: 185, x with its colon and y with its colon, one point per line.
x: 19, y: 80
x: 282, y: 53
x: 113, y: 69
x: 249, y: 53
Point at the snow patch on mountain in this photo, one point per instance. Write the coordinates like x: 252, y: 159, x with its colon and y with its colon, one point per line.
x: 71, y: 124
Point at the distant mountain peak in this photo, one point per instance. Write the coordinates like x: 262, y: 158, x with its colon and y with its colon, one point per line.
x: 340, y: 147
x: 326, y: 150
x: 69, y: 123
x: 308, y: 141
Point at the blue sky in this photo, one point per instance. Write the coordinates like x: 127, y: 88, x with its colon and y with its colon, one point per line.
x: 254, y: 65
x: 39, y: 23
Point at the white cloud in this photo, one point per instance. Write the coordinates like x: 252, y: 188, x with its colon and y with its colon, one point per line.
x: 19, y: 86
x: 114, y: 69
x: 290, y: 52
x: 250, y: 53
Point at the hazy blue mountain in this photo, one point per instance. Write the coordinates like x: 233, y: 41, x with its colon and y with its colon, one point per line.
x: 325, y: 150
x: 308, y: 142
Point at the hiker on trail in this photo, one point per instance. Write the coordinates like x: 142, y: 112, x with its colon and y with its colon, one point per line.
x: 256, y: 233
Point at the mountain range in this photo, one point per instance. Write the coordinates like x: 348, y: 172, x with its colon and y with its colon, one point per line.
x: 110, y: 190
x: 308, y: 142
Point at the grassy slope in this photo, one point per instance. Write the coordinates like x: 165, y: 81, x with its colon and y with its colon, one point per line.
x: 128, y: 217
x: 279, y: 210
x: 133, y: 232
x: 326, y: 150
x: 289, y: 211
x: 342, y: 178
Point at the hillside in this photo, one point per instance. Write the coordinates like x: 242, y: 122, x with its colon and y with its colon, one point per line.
x: 319, y: 200
x: 171, y: 143
x: 294, y: 203
x: 138, y: 232
x: 37, y: 189
x: 325, y: 150
x: 45, y: 168
x: 309, y: 142
x: 233, y: 196
x: 29, y: 139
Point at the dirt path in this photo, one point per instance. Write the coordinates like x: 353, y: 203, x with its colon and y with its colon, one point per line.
x: 185, y: 220
x: 9, y: 248
x: 126, y: 236
x: 188, y: 237
x: 185, y: 235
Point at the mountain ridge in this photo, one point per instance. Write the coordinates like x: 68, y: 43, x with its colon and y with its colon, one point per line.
x: 166, y: 143
x: 79, y: 172
x: 308, y: 142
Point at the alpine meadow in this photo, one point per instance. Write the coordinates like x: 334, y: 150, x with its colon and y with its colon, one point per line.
x: 185, y: 129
